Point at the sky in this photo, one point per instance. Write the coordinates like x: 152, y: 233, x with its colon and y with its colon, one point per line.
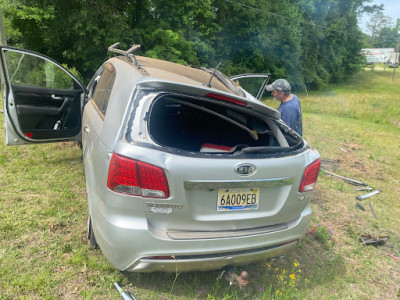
x: 391, y: 9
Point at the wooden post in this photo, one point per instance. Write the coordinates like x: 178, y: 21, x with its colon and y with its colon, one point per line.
x: 397, y: 49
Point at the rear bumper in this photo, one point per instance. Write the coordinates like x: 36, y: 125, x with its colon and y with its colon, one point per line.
x: 209, y: 262
x: 130, y: 246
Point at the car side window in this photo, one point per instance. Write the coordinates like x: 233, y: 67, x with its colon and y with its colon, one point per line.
x: 91, y: 88
x: 103, y: 88
x: 32, y: 70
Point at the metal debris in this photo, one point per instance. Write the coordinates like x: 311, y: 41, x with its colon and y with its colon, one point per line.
x: 348, y: 180
x: 368, y: 195
x: 372, y: 210
x: 364, y: 188
x: 370, y: 240
x: 127, y: 295
x: 360, y: 206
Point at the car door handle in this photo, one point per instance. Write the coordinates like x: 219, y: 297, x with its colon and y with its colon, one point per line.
x: 56, y: 97
x: 86, y: 128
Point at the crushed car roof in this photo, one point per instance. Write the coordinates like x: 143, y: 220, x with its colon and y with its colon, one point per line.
x: 189, y: 75
x: 169, y: 75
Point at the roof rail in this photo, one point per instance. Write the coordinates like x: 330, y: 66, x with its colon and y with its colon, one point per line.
x: 128, y: 53
x: 131, y: 50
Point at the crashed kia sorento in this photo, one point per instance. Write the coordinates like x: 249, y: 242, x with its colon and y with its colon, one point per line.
x: 185, y: 170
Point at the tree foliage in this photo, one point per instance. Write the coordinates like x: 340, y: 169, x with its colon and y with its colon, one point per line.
x: 386, y: 38
x: 383, y: 31
x: 309, y: 42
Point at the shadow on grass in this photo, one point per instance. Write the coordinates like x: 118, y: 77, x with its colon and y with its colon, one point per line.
x: 312, y: 263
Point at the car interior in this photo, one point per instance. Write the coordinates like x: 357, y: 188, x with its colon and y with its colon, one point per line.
x: 47, y: 113
x: 204, y: 126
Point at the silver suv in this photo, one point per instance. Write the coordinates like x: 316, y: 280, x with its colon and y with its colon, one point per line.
x: 185, y: 170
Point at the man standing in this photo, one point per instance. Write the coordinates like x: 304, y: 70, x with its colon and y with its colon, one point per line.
x: 289, y: 108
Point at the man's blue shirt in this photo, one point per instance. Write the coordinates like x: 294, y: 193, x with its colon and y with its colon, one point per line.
x: 291, y: 114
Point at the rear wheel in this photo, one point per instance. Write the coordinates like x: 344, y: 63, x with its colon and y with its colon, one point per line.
x: 91, y: 238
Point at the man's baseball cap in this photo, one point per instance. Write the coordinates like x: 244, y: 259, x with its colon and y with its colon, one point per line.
x: 281, y: 85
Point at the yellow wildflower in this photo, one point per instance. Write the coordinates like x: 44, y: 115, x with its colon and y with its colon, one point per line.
x: 276, y: 269
x: 268, y: 265
x: 296, y: 264
x: 293, y: 277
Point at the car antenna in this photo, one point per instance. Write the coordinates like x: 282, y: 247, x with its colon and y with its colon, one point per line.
x: 128, y: 53
x: 212, y: 75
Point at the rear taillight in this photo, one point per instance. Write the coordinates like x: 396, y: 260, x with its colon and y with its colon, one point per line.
x: 310, y: 177
x: 129, y: 176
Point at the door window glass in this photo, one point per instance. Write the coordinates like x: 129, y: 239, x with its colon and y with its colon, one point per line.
x: 252, y: 83
x: 29, y: 70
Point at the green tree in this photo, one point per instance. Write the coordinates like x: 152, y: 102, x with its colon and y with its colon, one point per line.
x: 377, y: 22
x: 260, y: 36
x: 180, y: 31
x: 386, y: 38
x: 71, y: 31
x: 310, y: 42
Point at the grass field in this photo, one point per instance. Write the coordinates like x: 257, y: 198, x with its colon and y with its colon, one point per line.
x: 356, y: 129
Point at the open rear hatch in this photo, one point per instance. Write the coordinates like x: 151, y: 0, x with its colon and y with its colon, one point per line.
x: 230, y: 167
x: 209, y: 125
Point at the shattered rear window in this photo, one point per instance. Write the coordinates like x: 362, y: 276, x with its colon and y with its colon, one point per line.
x: 202, y: 125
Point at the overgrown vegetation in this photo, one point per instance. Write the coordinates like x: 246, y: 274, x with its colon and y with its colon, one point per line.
x: 355, y: 127
x: 311, y: 43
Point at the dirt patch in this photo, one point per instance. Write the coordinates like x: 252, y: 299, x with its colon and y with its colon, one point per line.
x: 74, y: 288
x: 395, y: 123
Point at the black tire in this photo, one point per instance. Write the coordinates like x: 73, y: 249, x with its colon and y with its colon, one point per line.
x: 91, y: 238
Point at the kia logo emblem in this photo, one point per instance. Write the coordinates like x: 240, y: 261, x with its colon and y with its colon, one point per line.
x: 245, y: 169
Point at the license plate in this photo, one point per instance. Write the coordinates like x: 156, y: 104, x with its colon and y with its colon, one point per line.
x: 237, y: 199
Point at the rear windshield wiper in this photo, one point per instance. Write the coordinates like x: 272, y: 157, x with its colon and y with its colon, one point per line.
x: 212, y: 75
x: 223, y: 79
